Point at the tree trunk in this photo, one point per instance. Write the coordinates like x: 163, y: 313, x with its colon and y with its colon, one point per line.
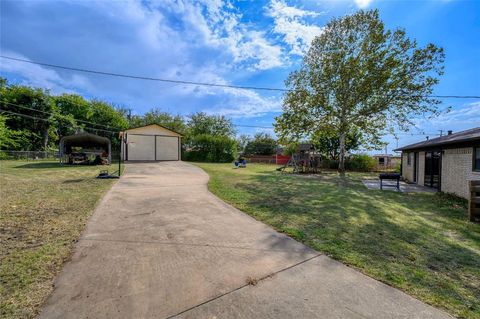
x: 45, y: 137
x: 341, y: 162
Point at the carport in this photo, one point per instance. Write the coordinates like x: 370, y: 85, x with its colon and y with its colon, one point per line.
x: 87, y: 141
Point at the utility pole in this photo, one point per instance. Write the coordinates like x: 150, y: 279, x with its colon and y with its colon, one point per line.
x: 129, y: 116
x: 441, y: 133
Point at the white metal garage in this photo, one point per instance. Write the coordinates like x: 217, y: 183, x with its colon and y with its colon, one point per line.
x: 151, y: 143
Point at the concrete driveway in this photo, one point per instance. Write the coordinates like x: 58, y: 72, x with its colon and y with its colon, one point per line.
x: 159, y: 245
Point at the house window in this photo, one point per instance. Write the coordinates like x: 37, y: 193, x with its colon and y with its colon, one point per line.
x: 381, y: 160
x: 476, y: 159
x: 409, y: 159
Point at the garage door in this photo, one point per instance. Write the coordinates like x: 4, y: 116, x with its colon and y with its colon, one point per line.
x: 167, y: 148
x: 153, y: 148
x: 141, y: 147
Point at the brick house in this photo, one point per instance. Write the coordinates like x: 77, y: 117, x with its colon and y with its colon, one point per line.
x: 446, y: 163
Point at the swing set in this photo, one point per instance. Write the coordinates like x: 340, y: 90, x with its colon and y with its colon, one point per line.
x: 305, y: 160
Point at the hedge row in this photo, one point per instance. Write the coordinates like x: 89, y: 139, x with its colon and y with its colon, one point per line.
x: 356, y: 162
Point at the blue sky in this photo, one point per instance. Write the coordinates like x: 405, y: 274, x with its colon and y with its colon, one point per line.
x: 254, y: 43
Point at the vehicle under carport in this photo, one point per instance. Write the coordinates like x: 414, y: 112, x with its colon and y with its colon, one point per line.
x: 82, y: 147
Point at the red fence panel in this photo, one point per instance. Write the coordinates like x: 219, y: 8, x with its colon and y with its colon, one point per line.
x: 269, y: 159
x: 282, y: 159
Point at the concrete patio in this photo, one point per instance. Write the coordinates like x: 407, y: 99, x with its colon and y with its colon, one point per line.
x: 390, y: 185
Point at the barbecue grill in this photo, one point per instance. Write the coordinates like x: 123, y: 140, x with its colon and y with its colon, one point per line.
x: 390, y: 176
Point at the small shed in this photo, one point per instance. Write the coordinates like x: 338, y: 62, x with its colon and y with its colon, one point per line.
x: 151, y: 143
x: 386, y: 161
x: 95, y: 144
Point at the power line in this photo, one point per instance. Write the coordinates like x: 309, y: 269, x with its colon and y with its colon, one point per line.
x: 241, y: 125
x: 145, y: 77
x: 117, y: 130
x: 137, y: 77
x: 53, y: 114
x: 51, y: 119
x: 237, y: 125
x: 110, y: 131
x: 87, y: 122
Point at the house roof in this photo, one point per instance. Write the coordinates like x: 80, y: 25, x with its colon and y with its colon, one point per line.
x: 305, y: 147
x: 131, y: 128
x: 460, y: 137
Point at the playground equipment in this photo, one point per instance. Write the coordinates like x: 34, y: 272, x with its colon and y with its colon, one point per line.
x: 305, y: 160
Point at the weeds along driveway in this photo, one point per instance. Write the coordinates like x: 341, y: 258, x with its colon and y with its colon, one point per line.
x: 160, y: 245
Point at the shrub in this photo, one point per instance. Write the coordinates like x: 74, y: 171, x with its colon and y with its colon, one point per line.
x: 398, y: 167
x: 360, y: 162
x: 261, y: 144
x: 329, y: 163
x: 210, y: 148
x: 291, y: 149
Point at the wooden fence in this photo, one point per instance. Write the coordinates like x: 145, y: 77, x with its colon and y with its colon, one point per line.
x: 269, y: 159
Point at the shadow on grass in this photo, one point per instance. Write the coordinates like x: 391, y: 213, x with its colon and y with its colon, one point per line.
x: 418, y: 242
x: 73, y: 181
x: 54, y: 165
x: 39, y: 165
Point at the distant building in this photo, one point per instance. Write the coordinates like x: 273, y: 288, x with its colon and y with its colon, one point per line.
x: 446, y: 163
x: 387, y: 161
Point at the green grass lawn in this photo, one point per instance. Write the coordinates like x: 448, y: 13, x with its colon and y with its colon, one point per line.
x: 43, y: 209
x: 422, y: 243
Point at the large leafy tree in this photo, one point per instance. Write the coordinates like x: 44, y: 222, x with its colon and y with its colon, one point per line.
x: 38, y: 127
x: 156, y: 116
x: 72, y: 109
x: 242, y: 142
x: 359, y: 76
x: 94, y: 116
x: 218, y: 125
x: 328, y: 143
x: 41, y: 119
x: 9, y: 138
x: 261, y: 144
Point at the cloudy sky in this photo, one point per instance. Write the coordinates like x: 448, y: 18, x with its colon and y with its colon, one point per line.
x: 251, y: 43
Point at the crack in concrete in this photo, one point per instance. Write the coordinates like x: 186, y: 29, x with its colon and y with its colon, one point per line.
x: 241, y: 287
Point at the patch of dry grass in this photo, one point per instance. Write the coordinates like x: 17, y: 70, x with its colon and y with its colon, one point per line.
x: 251, y: 281
x: 44, y: 208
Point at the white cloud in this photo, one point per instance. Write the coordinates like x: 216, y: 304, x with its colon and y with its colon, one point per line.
x: 459, y: 118
x: 363, y: 3
x: 466, y: 114
x: 39, y: 76
x: 289, y: 22
x: 245, y: 103
x: 199, y: 42
x: 218, y: 25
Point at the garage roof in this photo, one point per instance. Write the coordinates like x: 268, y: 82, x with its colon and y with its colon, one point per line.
x: 154, y: 124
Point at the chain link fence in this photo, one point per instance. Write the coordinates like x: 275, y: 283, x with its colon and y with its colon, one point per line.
x: 44, y: 155
x: 28, y: 155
